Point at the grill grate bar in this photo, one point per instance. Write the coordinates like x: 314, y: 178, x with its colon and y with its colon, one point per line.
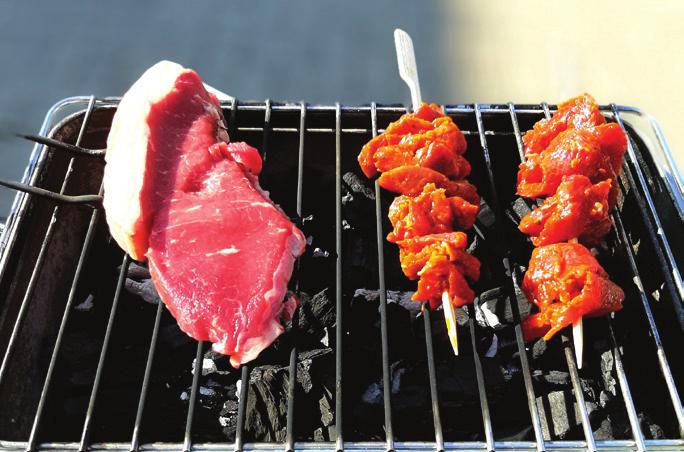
x: 266, y: 131
x: 386, y: 377
x: 74, y: 149
x: 87, y: 241
x: 484, y: 405
x: 135, y: 440
x: 87, y: 424
x: 196, y: 372
x: 93, y: 200
x: 432, y: 375
x: 486, y: 418
x: 626, y: 392
x: 245, y: 369
x: 292, y: 375
x: 339, y: 333
x: 577, y: 389
x: 658, y: 231
x: 242, y: 408
x: 23, y: 309
x: 655, y: 334
x: 398, y: 109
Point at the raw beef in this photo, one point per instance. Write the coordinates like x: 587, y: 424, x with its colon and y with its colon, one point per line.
x: 220, y: 252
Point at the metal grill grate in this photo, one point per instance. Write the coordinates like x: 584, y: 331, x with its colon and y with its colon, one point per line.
x: 343, y: 122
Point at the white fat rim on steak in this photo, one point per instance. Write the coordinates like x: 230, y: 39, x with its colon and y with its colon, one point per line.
x: 129, y: 136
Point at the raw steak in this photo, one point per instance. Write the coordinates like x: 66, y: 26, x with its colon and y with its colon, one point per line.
x: 220, y: 252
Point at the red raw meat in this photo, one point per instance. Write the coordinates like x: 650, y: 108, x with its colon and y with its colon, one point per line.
x: 220, y: 257
x: 579, y: 209
x: 566, y: 283
x: 577, y: 113
x: 220, y: 252
x: 573, y: 151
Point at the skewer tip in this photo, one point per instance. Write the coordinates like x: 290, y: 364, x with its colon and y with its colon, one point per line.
x: 450, y: 318
x: 578, y: 341
x: 578, y: 332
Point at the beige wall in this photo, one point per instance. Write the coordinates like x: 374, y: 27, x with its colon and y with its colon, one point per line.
x: 626, y: 52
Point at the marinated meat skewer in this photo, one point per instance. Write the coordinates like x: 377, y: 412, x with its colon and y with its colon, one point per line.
x: 573, y: 157
x: 420, y: 157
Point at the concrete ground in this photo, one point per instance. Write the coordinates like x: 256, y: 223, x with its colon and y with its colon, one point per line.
x: 323, y: 51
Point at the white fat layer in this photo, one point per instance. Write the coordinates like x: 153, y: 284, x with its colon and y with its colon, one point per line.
x: 127, y: 147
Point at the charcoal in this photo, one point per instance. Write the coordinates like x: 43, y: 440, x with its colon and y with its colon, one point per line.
x: 318, y: 252
x: 560, y: 414
x: 486, y: 216
x: 173, y: 337
x: 521, y: 207
x: 474, y: 244
x: 402, y: 299
x: 553, y: 377
x: 358, y: 206
x: 139, y: 283
x: 347, y: 199
x: 144, y: 289
x: 539, y: 348
x: 358, y: 185
x: 228, y: 417
x: 607, y: 371
x: 86, y: 305
x: 214, y: 363
x: 650, y: 428
x: 315, y: 314
x: 136, y: 271
x: 211, y: 395
x: 267, y: 401
x: 607, y: 429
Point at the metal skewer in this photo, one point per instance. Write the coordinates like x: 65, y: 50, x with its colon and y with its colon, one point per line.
x: 408, y: 70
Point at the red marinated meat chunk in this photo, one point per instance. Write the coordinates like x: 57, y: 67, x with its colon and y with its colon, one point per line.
x: 428, y: 213
x: 425, y: 138
x: 414, y: 253
x: 440, y: 263
x: 439, y: 276
x: 410, y: 180
x: 572, y: 152
x: 577, y: 113
x: 579, y: 209
x: 613, y: 143
x: 565, y: 282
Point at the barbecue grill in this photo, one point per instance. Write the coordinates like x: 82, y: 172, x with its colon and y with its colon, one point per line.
x: 82, y: 357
